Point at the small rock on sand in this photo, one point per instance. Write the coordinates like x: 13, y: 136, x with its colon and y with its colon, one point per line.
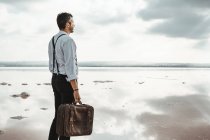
x: 24, y: 95
x: 107, y: 88
x: 38, y: 84
x: 141, y: 82
x: 18, y: 117
x: 47, y: 83
x: 43, y: 108
x: 81, y: 84
x: 15, y: 95
x: 107, y: 81
x: 26, y: 109
x: 3, y: 83
x: 9, y: 84
x: 24, y: 84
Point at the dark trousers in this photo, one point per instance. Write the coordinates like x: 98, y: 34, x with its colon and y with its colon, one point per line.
x: 63, y: 93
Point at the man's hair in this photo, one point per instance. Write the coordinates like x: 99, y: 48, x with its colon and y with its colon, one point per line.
x: 62, y: 19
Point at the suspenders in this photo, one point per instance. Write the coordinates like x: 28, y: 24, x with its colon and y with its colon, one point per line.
x: 54, y: 53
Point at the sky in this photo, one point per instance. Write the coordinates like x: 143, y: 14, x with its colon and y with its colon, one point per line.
x: 109, y: 30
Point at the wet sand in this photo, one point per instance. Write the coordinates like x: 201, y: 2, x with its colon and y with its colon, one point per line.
x: 130, y: 103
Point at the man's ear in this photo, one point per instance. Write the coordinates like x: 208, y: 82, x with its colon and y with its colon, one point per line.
x: 68, y: 24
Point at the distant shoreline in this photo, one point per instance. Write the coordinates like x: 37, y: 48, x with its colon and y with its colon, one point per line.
x: 111, y: 64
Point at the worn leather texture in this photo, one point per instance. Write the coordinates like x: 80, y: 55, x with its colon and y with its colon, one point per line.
x: 74, y: 120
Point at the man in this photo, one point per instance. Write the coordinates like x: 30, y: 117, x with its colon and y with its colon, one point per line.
x: 64, y: 68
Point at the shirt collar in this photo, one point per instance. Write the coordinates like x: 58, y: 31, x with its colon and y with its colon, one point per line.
x: 62, y: 32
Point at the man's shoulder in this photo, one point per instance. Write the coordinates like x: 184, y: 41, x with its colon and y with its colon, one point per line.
x: 63, y: 37
x: 66, y: 38
x: 60, y: 37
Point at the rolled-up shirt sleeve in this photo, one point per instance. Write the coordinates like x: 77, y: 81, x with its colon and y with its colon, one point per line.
x: 69, y: 60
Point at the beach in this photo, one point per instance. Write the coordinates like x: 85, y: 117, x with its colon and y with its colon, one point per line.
x: 130, y: 103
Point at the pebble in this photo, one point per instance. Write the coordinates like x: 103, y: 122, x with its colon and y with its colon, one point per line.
x: 107, y: 81
x: 47, y: 83
x: 24, y: 84
x: 141, y: 82
x: 26, y: 109
x: 3, y: 83
x: 15, y: 95
x: 18, y: 117
x: 24, y: 95
x: 43, y: 108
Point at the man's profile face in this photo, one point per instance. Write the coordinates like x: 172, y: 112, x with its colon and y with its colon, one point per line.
x: 71, y: 25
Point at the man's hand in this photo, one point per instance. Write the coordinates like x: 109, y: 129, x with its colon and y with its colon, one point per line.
x: 76, y: 96
x: 74, y: 85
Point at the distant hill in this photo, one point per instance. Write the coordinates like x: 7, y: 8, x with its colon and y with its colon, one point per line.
x: 107, y: 64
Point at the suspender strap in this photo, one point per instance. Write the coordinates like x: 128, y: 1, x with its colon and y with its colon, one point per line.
x: 54, y: 59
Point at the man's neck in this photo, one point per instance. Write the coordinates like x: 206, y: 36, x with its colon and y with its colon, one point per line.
x: 68, y: 32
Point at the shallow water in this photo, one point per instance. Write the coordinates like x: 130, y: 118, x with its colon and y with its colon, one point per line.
x: 129, y: 103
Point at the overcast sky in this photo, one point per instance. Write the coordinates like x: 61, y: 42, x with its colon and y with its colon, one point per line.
x: 109, y: 30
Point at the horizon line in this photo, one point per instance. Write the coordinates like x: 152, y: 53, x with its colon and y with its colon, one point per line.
x: 107, y: 64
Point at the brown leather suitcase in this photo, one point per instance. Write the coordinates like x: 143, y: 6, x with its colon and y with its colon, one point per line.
x: 74, y: 120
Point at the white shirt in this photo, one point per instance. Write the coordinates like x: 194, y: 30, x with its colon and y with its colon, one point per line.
x: 65, y: 54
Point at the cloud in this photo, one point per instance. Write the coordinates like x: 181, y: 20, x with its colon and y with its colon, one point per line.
x: 18, y: 6
x: 109, y: 18
x: 202, y: 44
x: 181, y: 3
x: 15, y: 1
x: 188, y: 26
x: 106, y: 12
x: 181, y: 118
x: 187, y: 19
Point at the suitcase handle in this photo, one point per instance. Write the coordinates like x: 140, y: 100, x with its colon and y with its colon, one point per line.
x: 80, y: 102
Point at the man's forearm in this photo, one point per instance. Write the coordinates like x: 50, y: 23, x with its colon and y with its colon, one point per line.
x: 74, y: 84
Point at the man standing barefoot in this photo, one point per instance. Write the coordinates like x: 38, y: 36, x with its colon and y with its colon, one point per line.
x: 64, y: 68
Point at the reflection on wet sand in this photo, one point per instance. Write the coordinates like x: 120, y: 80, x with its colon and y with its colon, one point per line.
x: 181, y: 118
x: 164, y: 107
x: 22, y: 133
